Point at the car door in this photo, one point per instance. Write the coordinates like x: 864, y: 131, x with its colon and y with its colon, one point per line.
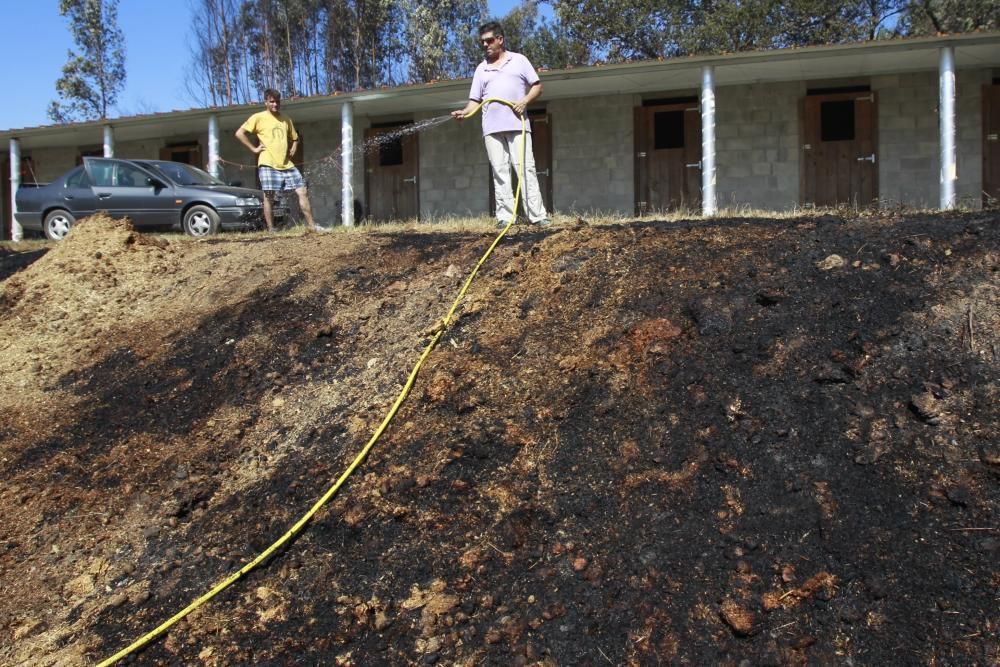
x: 125, y: 190
x: 77, y: 196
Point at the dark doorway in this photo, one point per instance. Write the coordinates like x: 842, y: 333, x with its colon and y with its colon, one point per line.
x: 186, y: 153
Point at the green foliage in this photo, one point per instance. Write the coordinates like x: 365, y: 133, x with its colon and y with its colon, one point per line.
x: 929, y: 17
x: 440, y: 35
x: 545, y: 43
x: 619, y: 30
x: 95, y: 74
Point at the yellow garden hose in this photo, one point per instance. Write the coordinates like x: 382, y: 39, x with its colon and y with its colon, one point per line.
x: 440, y: 328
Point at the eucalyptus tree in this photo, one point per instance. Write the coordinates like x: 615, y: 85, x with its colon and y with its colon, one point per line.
x: 440, y: 35
x: 95, y: 73
x: 545, y: 42
x: 361, y: 42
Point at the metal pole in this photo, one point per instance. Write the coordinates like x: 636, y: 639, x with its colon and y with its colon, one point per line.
x: 16, y: 233
x: 109, y: 141
x: 213, y: 145
x: 946, y: 93
x: 708, y: 200
x: 347, y: 163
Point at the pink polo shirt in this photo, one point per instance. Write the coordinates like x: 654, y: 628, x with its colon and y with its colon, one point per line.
x: 508, y: 79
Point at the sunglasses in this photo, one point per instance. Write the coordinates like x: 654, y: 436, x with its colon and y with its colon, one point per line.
x: 486, y: 41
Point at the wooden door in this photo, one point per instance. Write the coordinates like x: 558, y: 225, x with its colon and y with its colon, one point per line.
x: 991, y: 145
x: 391, y: 191
x: 541, y: 148
x: 667, y: 157
x: 839, y: 161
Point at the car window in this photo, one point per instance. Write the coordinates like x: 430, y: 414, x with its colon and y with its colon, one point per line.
x: 101, y: 172
x: 77, y: 179
x: 131, y: 176
x: 113, y: 173
x: 185, y: 174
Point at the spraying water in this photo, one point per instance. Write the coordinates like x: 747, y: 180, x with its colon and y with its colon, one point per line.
x: 327, y: 170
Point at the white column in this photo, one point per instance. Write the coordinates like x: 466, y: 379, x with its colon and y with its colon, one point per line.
x: 16, y: 233
x: 109, y: 141
x: 946, y: 125
x: 708, y: 199
x: 213, y: 145
x: 347, y: 163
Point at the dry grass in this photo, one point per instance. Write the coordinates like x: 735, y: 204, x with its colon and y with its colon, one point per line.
x: 479, y: 223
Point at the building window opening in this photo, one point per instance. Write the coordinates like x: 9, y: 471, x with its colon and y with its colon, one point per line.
x: 390, y: 150
x: 668, y: 129
x: 837, y: 120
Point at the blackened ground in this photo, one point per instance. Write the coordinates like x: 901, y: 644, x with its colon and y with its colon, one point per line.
x: 737, y: 441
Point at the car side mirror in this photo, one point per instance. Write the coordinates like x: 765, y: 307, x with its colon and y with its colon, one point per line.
x: 236, y: 184
x: 155, y: 183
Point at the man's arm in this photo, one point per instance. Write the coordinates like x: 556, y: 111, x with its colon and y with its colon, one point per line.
x: 462, y: 113
x: 244, y: 139
x: 534, y: 92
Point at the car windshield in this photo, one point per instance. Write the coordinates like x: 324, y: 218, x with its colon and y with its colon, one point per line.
x: 184, y: 174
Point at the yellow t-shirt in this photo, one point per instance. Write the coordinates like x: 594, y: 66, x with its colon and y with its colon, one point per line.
x: 275, y: 133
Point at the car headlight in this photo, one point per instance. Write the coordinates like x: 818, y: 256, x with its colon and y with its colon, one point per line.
x: 247, y: 201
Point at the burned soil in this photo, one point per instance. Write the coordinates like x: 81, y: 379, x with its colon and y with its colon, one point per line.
x: 734, y: 441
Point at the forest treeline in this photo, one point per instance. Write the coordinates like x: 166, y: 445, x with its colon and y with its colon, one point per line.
x: 309, y: 47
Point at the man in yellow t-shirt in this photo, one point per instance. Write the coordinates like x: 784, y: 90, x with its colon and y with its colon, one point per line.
x: 275, y: 168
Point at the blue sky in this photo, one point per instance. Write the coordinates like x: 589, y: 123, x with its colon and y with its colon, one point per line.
x: 37, y: 39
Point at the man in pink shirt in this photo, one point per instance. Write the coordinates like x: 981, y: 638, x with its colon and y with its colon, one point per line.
x: 509, y: 76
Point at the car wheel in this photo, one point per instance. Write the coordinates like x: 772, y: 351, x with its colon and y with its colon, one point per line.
x: 201, y: 221
x: 57, y: 224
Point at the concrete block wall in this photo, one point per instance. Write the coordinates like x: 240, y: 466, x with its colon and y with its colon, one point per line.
x: 757, y: 145
x: 908, y: 156
x: 322, y: 168
x: 50, y: 163
x: 592, y: 154
x: 969, y: 135
x: 909, y: 141
x: 239, y: 164
x: 454, y: 174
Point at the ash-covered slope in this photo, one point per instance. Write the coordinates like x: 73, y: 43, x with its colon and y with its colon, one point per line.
x: 654, y: 443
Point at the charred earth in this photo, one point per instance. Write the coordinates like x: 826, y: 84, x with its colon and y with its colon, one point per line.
x: 734, y: 441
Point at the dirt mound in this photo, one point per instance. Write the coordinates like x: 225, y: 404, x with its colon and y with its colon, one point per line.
x: 771, y: 441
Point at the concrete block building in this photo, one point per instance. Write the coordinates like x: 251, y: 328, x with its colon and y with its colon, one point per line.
x: 911, y: 122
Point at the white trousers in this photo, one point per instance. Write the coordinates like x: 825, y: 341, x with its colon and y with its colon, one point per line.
x: 504, y: 150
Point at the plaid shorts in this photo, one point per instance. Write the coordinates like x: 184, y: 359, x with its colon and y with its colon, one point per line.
x: 280, y: 179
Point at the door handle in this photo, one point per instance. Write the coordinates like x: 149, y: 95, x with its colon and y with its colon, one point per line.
x: 867, y: 158
x: 694, y: 165
x: 542, y: 173
x: 68, y: 197
x: 103, y: 195
x: 410, y: 180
